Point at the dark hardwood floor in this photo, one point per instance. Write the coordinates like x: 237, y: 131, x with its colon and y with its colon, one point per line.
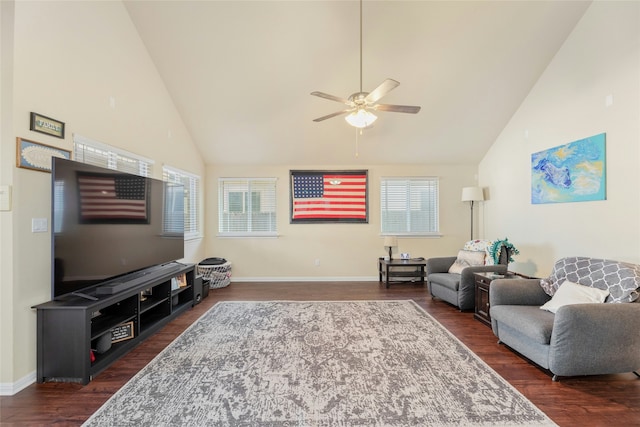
x: 584, y: 401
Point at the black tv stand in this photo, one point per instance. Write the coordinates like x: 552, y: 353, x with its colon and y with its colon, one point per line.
x: 70, y: 331
x: 83, y: 295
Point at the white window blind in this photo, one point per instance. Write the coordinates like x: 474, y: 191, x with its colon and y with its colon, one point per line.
x: 409, y: 206
x: 96, y: 153
x: 185, y: 203
x: 247, y: 207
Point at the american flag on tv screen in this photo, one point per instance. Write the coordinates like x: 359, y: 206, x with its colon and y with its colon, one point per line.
x: 108, y: 197
x: 329, y: 196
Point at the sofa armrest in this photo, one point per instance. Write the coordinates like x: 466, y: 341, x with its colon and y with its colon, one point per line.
x: 440, y: 265
x: 517, y: 292
x: 595, y: 339
x: 443, y: 264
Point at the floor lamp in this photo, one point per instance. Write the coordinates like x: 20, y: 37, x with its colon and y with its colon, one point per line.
x: 472, y: 194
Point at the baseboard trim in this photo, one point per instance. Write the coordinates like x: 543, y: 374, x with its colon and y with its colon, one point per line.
x: 9, y: 389
x: 305, y: 279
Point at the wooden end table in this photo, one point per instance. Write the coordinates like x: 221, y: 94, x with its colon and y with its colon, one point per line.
x: 482, y: 285
x: 385, y: 269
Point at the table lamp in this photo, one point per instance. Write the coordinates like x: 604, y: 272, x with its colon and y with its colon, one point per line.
x: 390, y: 242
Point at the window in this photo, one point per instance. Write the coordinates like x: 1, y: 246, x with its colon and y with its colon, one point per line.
x: 239, y: 201
x: 103, y: 155
x: 182, y: 203
x: 247, y: 207
x: 409, y: 206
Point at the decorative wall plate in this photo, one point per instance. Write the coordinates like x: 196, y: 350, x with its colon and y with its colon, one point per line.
x: 37, y: 156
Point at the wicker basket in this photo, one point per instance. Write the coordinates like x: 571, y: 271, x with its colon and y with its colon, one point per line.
x: 219, y: 276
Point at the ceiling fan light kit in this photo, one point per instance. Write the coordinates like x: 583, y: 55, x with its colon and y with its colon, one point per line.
x: 361, y: 102
x: 361, y: 118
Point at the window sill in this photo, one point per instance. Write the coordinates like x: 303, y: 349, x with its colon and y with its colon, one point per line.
x: 414, y: 236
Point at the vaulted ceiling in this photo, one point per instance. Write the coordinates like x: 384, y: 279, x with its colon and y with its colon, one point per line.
x: 241, y: 73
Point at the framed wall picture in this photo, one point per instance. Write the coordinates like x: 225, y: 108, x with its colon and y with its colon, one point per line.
x: 37, y: 156
x: 573, y: 172
x: 325, y: 196
x: 46, y: 125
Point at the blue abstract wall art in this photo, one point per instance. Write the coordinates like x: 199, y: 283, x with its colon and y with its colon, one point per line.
x: 573, y: 172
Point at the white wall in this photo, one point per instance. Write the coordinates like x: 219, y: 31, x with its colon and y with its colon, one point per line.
x: 82, y: 63
x: 601, y: 58
x: 345, y: 251
x: 7, y: 157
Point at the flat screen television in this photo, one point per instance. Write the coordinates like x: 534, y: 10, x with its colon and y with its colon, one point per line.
x: 107, y: 224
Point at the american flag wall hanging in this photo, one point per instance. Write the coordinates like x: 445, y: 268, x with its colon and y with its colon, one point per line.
x: 113, y: 198
x: 329, y: 196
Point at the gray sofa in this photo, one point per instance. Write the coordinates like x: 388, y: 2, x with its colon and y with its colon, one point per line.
x: 454, y: 288
x: 579, y: 339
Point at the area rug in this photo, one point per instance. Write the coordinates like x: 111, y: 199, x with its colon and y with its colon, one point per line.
x: 283, y: 363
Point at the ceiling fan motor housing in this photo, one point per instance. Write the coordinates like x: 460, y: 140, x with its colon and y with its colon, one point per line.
x: 359, y: 99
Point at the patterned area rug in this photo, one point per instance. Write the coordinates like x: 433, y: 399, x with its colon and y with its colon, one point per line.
x: 364, y: 363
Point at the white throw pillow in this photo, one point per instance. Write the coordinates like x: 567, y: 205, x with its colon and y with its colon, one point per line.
x: 574, y: 293
x: 467, y: 259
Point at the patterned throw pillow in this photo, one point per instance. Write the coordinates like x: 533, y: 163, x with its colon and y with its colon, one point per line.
x: 491, y: 248
x: 622, y: 280
x: 481, y: 246
x: 467, y: 259
x: 476, y: 245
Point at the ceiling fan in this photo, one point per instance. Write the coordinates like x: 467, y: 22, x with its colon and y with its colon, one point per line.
x: 360, y: 104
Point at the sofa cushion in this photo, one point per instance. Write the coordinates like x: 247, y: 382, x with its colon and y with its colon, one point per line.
x: 448, y: 280
x: 529, y: 320
x: 467, y: 259
x: 622, y: 280
x: 574, y: 293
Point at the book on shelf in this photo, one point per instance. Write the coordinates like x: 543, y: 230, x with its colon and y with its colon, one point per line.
x: 182, y: 280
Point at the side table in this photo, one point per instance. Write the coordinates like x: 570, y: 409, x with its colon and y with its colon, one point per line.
x: 482, y: 284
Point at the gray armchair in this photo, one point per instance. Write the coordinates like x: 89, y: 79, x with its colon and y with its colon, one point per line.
x: 579, y: 339
x: 454, y: 288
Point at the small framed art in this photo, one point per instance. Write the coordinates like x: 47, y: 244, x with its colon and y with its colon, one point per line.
x: 47, y: 125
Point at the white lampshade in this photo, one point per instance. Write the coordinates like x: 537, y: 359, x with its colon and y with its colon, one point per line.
x: 390, y: 241
x: 472, y: 194
x: 361, y: 118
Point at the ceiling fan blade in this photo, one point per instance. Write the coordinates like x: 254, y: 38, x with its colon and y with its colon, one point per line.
x: 396, y: 108
x: 331, y: 97
x: 385, y: 87
x: 328, y: 116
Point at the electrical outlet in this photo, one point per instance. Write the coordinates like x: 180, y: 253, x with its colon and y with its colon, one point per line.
x: 608, y: 100
x: 317, y: 262
x: 39, y: 225
x: 5, y: 198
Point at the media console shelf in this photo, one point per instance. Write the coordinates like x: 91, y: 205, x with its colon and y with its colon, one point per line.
x: 79, y: 337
